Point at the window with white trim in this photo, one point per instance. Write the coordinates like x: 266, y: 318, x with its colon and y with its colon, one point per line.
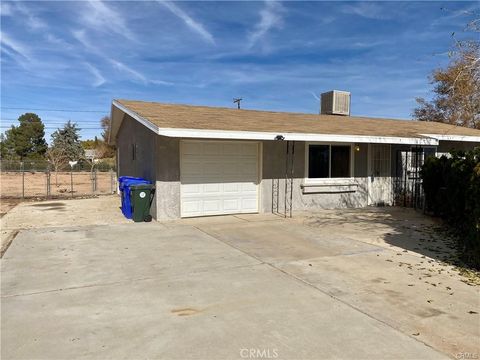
x: 329, y: 161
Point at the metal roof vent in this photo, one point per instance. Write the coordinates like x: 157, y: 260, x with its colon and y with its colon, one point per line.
x: 335, y: 102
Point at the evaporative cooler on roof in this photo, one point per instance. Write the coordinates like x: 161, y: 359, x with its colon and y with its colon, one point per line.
x: 335, y: 102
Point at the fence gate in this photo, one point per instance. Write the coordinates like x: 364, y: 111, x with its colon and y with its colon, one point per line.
x: 407, y: 187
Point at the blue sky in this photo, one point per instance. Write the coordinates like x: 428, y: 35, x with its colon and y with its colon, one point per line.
x: 79, y: 55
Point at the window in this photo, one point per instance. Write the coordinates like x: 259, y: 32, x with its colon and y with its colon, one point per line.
x: 329, y: 161
x: 340, y: 161
x: 318, y: 161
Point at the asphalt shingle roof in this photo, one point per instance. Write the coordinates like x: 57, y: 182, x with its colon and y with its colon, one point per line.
x: 177, y: 116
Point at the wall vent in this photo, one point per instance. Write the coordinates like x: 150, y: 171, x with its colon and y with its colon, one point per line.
x: 335, y: 102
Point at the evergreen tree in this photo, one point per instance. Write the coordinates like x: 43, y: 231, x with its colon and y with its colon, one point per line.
x: 27, y: 140
x: 68, y: 141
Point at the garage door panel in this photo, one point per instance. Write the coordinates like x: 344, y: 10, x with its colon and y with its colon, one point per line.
x: 231, y: 149
x: 247, y: 149
x: 193, y: 189
x: 249, y: 205
x: 231, y: 169
x: 192, y: 207
x: 213, y: 188
x: 231, y: 187
x: 218, y: 178
x: 231, y: 205
x: 212, y: 206
x: 248, y: 188
x: 212, y: 149
x: 192, y: 148
x: 192, y: 169
x: 210, y: 169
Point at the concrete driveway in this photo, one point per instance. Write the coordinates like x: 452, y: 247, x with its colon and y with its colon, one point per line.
x: 252, y: 286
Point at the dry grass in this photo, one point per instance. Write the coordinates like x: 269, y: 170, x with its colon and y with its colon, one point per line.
x: 35, y: 184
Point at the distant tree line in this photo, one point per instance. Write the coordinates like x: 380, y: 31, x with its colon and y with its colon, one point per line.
x: 26, y: 141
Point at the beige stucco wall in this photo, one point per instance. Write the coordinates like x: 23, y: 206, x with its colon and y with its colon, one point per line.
x: 334, y: 196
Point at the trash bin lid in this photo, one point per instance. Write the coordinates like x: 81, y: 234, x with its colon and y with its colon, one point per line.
x: 139, y: 186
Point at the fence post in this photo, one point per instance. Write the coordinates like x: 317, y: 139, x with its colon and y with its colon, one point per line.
x: 47, y: 173
x: 93, y: 178
x: 71, y: 181
x: 23, y: 179
x: 92, y: 181
x: 111, y: 181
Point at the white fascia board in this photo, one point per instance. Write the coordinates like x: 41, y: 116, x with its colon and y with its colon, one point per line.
x: 137, y: 117
x: 454, y: 137
x: 252, y: 135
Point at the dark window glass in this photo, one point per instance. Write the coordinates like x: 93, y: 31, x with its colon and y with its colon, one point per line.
x: 318, y: 158
x: 429, y: 151
x: 340, y: 161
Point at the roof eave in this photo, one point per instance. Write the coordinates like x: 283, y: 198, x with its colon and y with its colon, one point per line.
x: 253, y: 135
x: 447, y: 137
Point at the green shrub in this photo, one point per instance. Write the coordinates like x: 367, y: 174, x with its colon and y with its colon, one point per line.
x: 452, y: 191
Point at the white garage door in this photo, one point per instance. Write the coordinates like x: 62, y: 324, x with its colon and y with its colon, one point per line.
x: 218, y: 177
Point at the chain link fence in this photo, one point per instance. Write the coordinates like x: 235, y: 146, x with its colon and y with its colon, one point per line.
x: 37, y: 180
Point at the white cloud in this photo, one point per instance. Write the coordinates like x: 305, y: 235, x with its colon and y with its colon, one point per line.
x: 23, y: 12
x: 102, y: 17
x: 189, y: 21
x: 135, y: 75
x: 12, y: 46
x: 369, y: 10
x: 128, y: 70
x: 270, y: 18
x: 81, y: 37
x: 57, y: 41
x: 31, y: 19
x: 98, y: 77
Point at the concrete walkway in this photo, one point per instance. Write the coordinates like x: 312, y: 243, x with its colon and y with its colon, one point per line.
x: 225, y: 288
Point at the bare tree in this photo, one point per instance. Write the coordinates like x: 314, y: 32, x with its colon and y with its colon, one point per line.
x: 58, y: 159
x: 456, y: 87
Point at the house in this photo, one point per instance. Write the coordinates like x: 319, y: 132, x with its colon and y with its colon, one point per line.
x: 90, y: 154
x: 213, y: 161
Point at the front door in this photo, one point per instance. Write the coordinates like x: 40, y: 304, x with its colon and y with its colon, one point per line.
x: 380, y: 186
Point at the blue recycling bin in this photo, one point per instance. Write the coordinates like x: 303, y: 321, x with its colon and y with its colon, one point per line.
x: 123, y: 179
x: 124, y: 183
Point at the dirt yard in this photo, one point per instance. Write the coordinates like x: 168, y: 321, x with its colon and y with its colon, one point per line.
x: 7, y: 204
x: 35, y: 184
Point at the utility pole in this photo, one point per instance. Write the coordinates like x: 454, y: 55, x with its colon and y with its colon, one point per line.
x: 237, y: 101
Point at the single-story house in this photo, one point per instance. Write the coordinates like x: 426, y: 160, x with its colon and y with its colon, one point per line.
x: 213, y: 161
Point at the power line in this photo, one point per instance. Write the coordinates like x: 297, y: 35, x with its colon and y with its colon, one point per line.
x: 56, y: 127
x: 61, y: 110
x: 59, y: 121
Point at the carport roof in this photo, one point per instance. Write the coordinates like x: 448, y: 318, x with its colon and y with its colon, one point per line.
x: 188, y: 121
